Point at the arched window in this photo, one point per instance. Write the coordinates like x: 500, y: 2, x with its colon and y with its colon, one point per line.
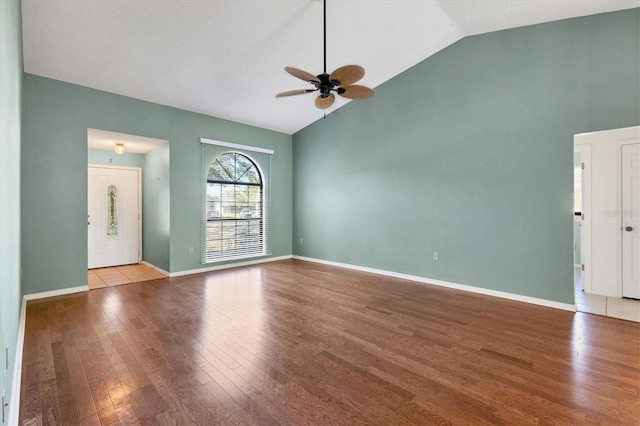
x: 234, y: 208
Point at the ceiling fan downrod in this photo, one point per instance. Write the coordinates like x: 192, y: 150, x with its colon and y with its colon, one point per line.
x: 324, y: 31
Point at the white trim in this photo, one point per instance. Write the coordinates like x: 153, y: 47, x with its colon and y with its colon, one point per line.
x: 111, y: 166
x: 162, y: 271
x: 14, y: 408
x: 228, y: 265
x: 234, y: 258
x: 463, y: 287
x: 53, y: 293
x: 622, y: 130
x: 585, y: 225
x: 236, y: 146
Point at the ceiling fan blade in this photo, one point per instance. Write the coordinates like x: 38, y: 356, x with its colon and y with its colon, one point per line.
x: 302, y: 75
x: 294, y: 92
x: 324, y: 103
x: 347, y: 74
x: 356, y: 92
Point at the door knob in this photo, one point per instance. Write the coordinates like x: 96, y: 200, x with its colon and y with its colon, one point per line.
x: 628, y: 228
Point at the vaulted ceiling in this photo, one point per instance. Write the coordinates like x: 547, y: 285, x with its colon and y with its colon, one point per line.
x: 225, y: 58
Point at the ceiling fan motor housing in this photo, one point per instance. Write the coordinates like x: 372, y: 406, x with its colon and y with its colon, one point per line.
x: 326, y: 85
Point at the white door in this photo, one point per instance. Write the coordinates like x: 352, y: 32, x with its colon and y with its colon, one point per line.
x: 631, y: 221
x: 113, y: 216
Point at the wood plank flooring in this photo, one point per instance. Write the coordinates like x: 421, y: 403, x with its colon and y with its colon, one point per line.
x: 298, y: 343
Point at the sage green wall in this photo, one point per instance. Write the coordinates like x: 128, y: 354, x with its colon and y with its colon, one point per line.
x: 10, y: 139
x: 54, y: 185
x: 470, y: 154
x: 156, y: 205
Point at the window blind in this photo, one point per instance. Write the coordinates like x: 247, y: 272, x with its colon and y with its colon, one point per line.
x: 236, y: 190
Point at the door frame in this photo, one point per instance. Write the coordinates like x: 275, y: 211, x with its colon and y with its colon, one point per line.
x: 139, y: 173
x: 585, y: 224
x: 603, y: 171
x: 621, y: 209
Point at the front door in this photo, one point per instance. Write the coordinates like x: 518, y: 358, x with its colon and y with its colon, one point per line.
x: 113, y: 216
x: 631, y: 221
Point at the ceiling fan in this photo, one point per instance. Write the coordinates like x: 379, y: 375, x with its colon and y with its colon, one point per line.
x: 341, y: 81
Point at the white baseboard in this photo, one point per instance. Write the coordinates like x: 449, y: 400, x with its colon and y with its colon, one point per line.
x: 14, y: 405
x: 463, y: 287
x: 229, y: 265
x: 162, y: 271
x: 61, y: 292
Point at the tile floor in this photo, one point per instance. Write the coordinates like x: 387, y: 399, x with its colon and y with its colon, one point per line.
x: 627, y: 309
x: 118, y: 275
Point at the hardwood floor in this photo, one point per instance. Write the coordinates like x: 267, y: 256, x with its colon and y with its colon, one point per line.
x: 296, y: 343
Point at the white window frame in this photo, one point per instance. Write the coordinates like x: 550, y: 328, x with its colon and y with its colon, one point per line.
x: 244, y: 150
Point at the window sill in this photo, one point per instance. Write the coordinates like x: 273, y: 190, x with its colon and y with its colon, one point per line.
x: 231, y: 259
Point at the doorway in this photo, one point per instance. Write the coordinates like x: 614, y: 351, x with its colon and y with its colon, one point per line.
x: 584, y: 300
x: 607, y: 279
x: 630, y: 218
x: 113, y: 220
x: 150, y: 159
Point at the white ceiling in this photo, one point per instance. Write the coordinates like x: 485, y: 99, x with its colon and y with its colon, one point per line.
x: 104, y: 140
x: 225, y: 58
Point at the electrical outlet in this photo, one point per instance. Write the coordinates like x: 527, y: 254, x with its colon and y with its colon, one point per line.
x: 436, y: 256
x: 301, y: 241
x: 190, y: 249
